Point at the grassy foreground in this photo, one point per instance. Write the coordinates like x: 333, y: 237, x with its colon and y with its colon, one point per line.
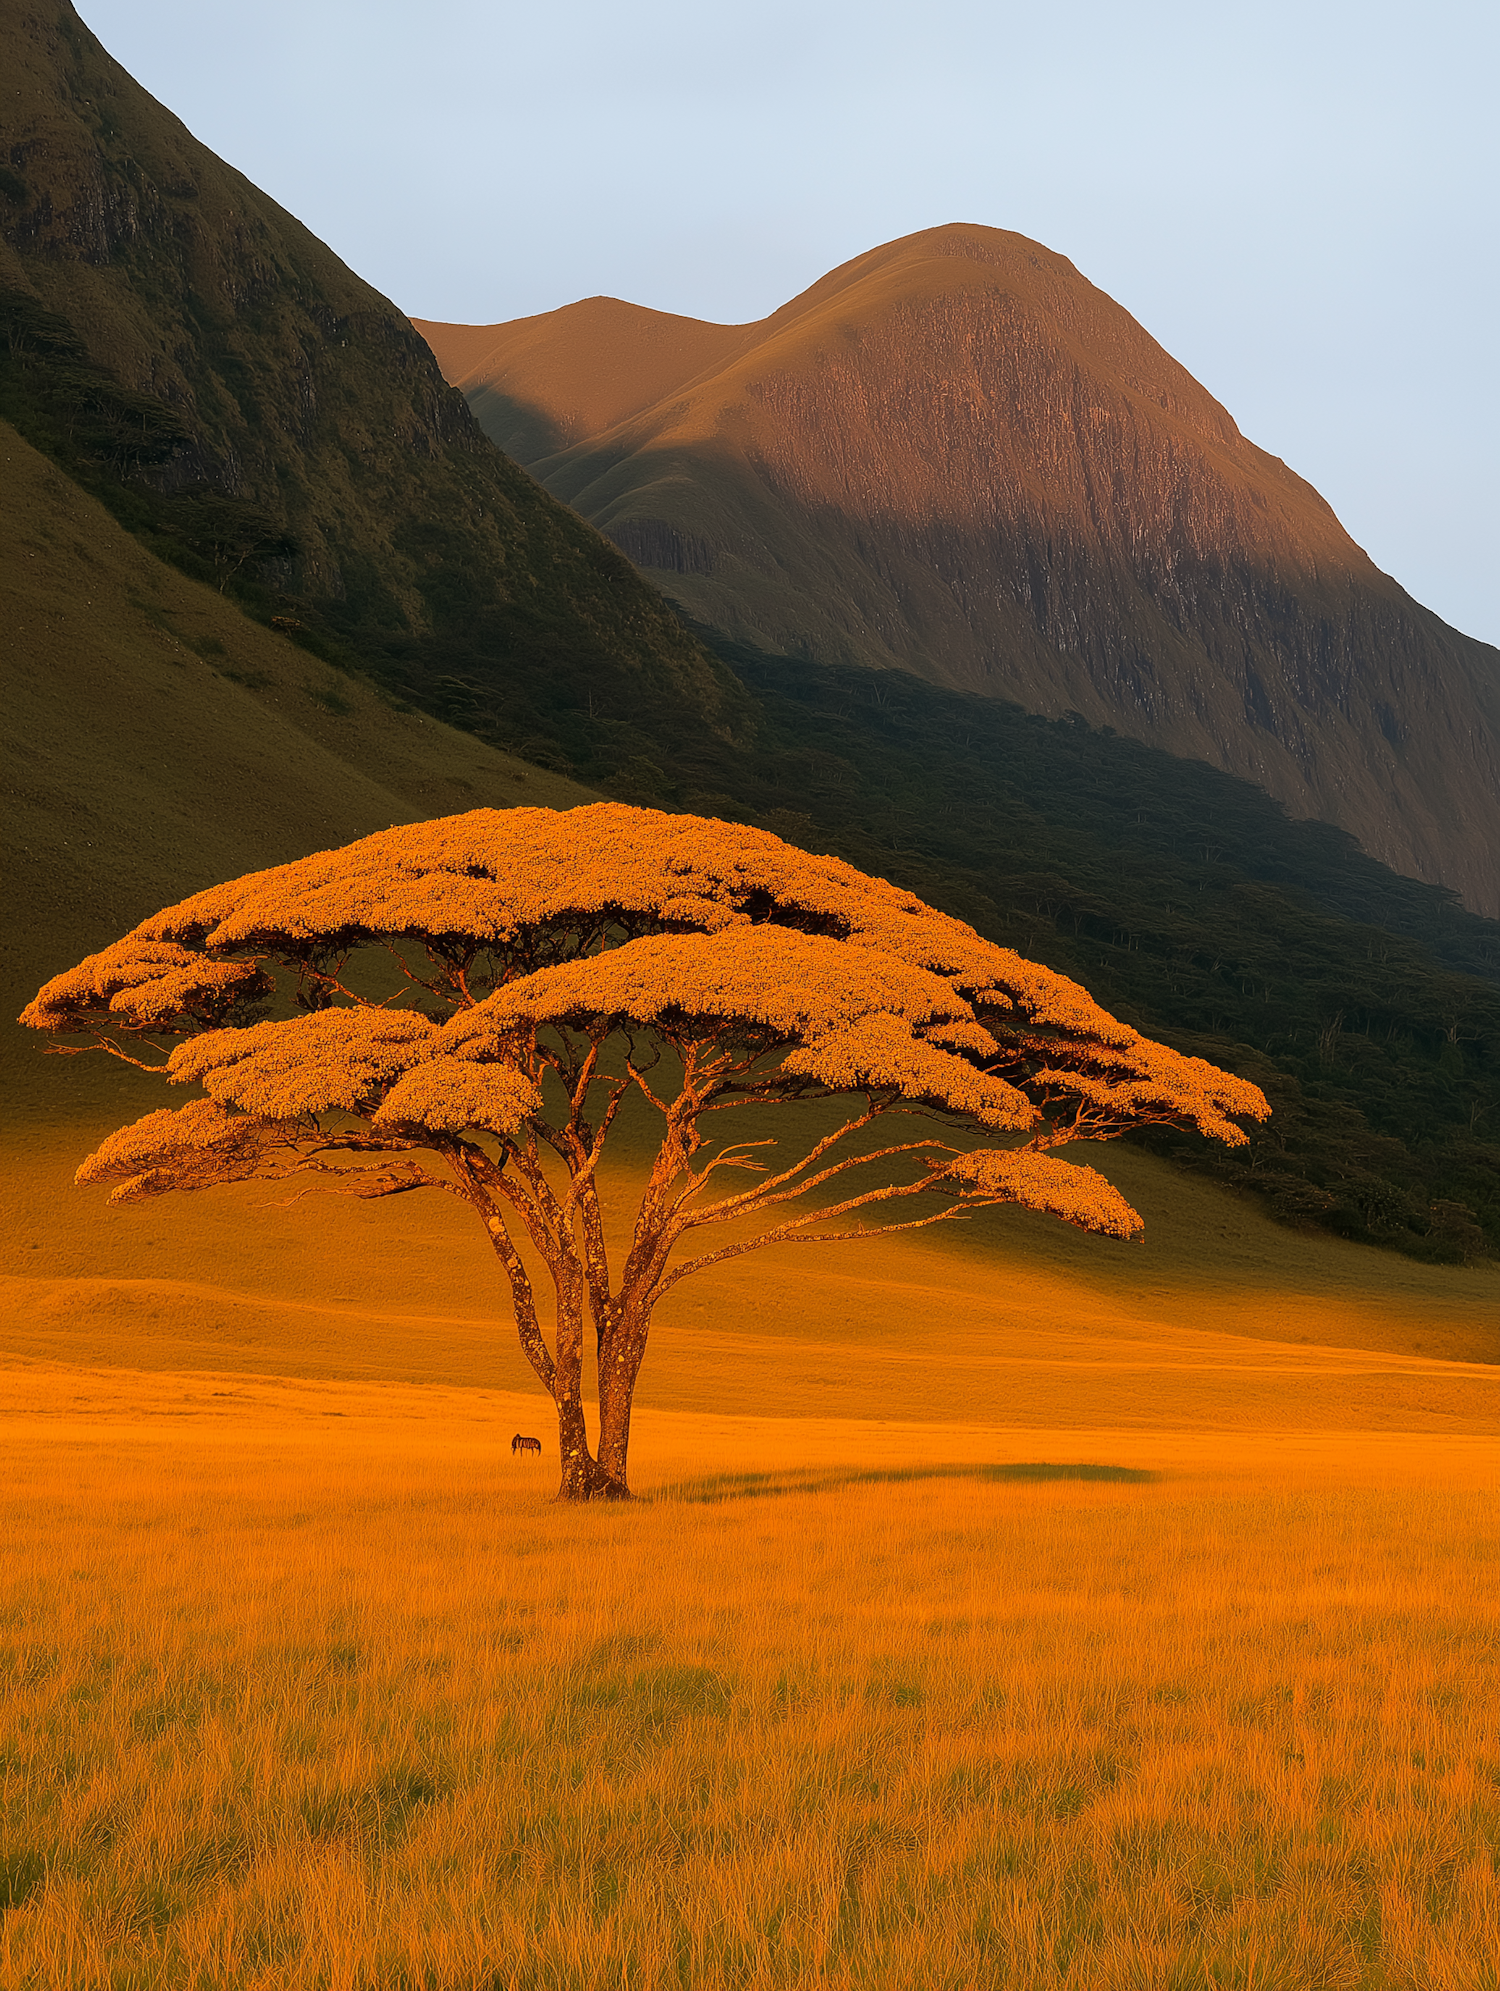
x: 308, y: 1684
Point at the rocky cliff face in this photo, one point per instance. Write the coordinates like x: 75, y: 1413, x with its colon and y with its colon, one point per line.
x: 279, y: 392
x: 955, y: 456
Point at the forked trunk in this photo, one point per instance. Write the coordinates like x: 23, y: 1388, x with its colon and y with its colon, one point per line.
x: 583, y: 1476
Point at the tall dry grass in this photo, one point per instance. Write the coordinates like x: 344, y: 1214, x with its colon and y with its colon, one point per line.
x: 373, y: 1714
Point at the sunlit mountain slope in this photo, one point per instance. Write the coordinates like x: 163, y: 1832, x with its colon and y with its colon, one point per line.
x: 955, y: 455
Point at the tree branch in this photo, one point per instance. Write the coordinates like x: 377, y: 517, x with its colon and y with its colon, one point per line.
x: 102, y: 1043
x: 769, y: 1194
x: 787, y: 1233
x: 757, y: 1194
x: 472, y: 1168
x: 366, y: 1183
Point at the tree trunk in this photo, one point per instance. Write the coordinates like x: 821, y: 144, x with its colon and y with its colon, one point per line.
x: 583, y: 1477
x: 620, y: 1356
x: 614, y: 1428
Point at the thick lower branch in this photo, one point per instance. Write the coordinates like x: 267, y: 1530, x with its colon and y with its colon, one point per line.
x: 523, y: 1296
x: 523, y: 1299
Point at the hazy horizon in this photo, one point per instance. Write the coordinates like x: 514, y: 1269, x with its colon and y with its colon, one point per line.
x: 1300, y: 208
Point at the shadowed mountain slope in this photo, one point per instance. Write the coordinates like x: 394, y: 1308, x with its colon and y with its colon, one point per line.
x: 243, y: 401
x: 956, y: 456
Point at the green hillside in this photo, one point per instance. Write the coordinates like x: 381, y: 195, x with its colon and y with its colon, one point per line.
x: 159, y: 740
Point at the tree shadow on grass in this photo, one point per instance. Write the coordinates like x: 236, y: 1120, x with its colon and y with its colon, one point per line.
x: 833, y: 1479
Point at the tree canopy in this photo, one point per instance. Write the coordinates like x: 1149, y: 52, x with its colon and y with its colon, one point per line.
x: 542, y: 967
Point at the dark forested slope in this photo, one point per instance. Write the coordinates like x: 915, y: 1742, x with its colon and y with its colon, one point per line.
x: 1367, y: 1005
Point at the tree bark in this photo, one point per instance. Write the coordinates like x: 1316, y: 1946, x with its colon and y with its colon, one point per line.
x: 614, y: 1432
x: 620, y: 1354
x: 583, y: 1477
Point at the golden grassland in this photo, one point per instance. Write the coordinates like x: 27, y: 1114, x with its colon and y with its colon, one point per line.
x: 1006, y: 1608
x: 943, y: 1323
x: 309, y: 1683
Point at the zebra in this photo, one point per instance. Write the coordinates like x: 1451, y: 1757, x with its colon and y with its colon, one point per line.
x: 520, y: 1444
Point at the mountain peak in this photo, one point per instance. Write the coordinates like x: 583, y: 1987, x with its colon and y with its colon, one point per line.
x: 955, y: 455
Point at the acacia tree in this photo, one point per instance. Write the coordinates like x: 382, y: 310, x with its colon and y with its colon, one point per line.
x: 540, y: 967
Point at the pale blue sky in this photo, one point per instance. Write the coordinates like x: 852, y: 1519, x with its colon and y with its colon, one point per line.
x: 1298, y: 201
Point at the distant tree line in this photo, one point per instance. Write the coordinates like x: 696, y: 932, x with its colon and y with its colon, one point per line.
x: 1366, y: 1005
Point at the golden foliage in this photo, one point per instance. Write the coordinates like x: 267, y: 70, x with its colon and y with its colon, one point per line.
x: 1080, y: 1196
x: 491, y: 874
x: 509, y: 880
x: 799, y: 985
x: 1160, y: 1084
x: 336, y: 1058
x: 189, y: 1147
x: 852, y: 983
x: 446, y: 1095
x: 853, y: 1011
x: 137, y: 981
x: 878, y: 1050
x: 970, y: 1037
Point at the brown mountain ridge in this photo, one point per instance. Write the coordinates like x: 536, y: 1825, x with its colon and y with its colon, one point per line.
x: 145, y: 282
x: 956, y: 456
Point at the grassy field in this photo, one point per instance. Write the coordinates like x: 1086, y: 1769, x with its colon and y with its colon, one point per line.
x: 308, y: 1683
x: 1003, y: 1609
